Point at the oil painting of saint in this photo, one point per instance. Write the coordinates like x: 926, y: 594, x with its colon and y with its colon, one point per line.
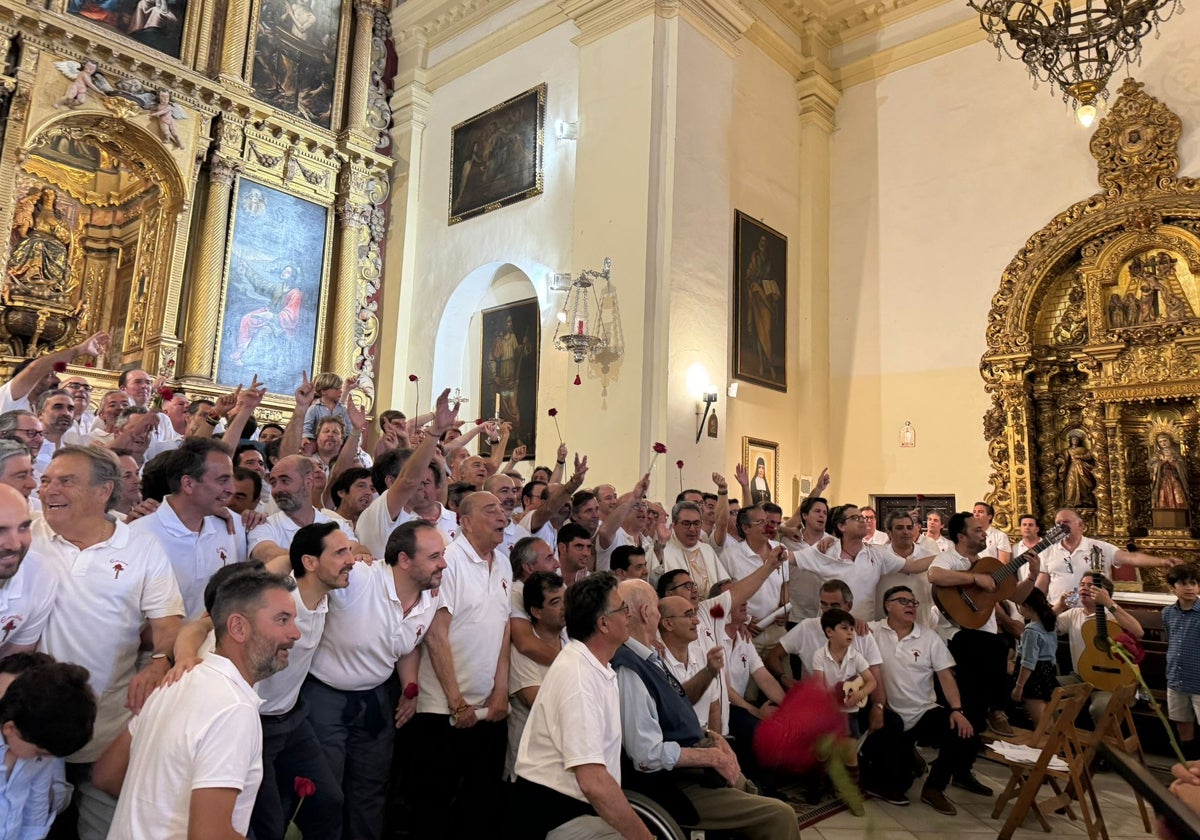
x: 272, y: 296
x: 496, y: 157
x: 760, y: 304
x: 156, y: 23
x: 295, y: 50
x: 509, y: 369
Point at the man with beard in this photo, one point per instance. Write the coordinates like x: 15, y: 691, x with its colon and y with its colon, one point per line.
x: 460, y: 732
x: 196, y: 757
x: 193, y: 523
x: 57, y: 412
x: 120, y: 582
x: 291, y: 490
x: 26, y: 589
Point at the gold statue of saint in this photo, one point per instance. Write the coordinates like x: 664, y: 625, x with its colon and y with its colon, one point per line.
x: 1076, y: 473
x: 39, y: 265
x: 1170, y: 490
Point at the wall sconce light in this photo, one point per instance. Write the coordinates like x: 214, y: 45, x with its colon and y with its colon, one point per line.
x: 564, y: 130
x: 710, y: 397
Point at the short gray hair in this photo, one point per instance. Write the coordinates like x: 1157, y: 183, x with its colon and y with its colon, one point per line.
x: 10, y: 449
x: 680, y: 507
x: 8, y: 420
x: 126, y: 413
x: 105, y: 468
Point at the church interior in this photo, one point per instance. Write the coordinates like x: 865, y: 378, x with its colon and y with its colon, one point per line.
x: 821, y: 234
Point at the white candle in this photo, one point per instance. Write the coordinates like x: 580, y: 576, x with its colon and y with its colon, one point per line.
x: 497, y: 404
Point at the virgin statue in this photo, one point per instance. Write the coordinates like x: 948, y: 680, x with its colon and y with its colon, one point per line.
x: 1076, y: 473
x: 1170, y: 487
x: 39, y: 265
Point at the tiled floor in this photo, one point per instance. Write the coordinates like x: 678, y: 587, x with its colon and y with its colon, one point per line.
x: 920, y: 822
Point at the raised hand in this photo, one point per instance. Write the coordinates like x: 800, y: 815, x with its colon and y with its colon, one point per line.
x: 357, y: 415
x: 443, y: 415
x: 518, y: 454
x: 739, y: 473
x: 822, y: 482
x: 719, y: 480
x: 224, y: 404
x: 715, y: 660
x: 96, y: 345
x: 581, y: 468
x: 249, y: 399
x: 562, y: 452
x: 305, y: 393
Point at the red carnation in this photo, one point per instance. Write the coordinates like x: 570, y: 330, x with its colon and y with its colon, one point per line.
x: 679, y: 464
x: 412, y: 377
x: 60, y: 367
x: 411, y: 691
x: 660, y: 448
x: 170, y: 363
x: 167, y: 394
x: 305, y: 787
x: 803, y: 731
x: 480, y: 422
x: 90, y: 364
x: 717, y: 611
x: 554, y: 416
x: 1136, y: 652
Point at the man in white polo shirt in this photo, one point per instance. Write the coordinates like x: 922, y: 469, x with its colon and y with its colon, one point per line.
x: 460, y: 731
x: 569, y: 760
x: 397, y: 476
x: 741, y: 558
x: 913, y: 658
x: 27, y: 589
x: 189, y: 524
x: 195, y: 761
x: 1064, y: 564
x: 118, y: 581
x: 355, y: 700
x: 998, y: 545
x: 291, y: 490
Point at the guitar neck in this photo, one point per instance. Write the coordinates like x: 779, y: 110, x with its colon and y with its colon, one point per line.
x: 1101, y: 622
x: 1014, y: 565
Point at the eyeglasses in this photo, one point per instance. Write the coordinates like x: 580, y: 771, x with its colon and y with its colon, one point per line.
x: 33, y: 433
x: 77, y: 386
x: 623, y: 609
x: 858, y: 517
x: 689, y: 523
x: 755, y: 523
x: 905, y: 602
x: 689, y: 585
x: 690, y: 614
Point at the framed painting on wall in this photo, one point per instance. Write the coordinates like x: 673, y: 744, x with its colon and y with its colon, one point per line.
x: 761, y: 458
x: 496, y: 156
x: 156, y: 23
x: 295, y: 53
x: 759, y: 304
x: 273, y: 290
x: 508, y: 367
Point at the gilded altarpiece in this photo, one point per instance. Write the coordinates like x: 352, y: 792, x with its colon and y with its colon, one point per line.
x: 119, y: 168
x: 1093, y: 360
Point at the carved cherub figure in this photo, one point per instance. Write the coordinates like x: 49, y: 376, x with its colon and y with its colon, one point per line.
x: 167, y: 112
x: 83, y: 78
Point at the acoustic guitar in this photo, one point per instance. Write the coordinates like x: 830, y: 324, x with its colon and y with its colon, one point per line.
x: 1097, y: 664
x: 970, y: 607
x: 850, y: 686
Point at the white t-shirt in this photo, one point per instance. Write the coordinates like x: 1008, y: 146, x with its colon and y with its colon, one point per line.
x: 25, y: 603
x: 955, y: 562
x: 281, y: 528
x: 575, y: 720
x: 366, y: 631
x: 105, y: 593
x: 910, y: 666
x: 877, y: 538
x: 807, y: 637
x: 1067, y: 568
x: 477, y: 598
x: 280, y: 691
x: 604, y: 555
x: 203, y: 732
x: 194, y: 556
x: 741, y: 561
x: 10, y: 403
x: 997, y: 541
x: 513, y: 534
x: 862, y: 574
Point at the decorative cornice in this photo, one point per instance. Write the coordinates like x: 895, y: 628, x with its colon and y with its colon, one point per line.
x: 440, y: 20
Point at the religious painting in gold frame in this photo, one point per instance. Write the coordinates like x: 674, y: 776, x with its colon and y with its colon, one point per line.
x: 496, y: 156
x: 761, y: 459
x: 275, y: 289
x: 295, y: 53
x: 158, y: 24
x: 759, y: 304
x: 508, y: 381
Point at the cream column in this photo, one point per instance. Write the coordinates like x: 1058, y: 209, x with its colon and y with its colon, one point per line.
x: 360, y: 69
x: 234, y: 45
x: 817, y: 100
x: 353, y: 223
x: 204, y: 298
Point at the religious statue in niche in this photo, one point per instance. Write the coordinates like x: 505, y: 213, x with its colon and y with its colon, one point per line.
x: 1168, y: 471
x: 86, y: 77
x: 1152, y: 293
x: 40, y: 263
x: 1076, y: 468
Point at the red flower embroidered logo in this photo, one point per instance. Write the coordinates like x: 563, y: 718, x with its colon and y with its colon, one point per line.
x: 420, y: 630
x: 743, y: 660
x: 916, y: 655
x: 223, y: 555
x: 117, y: 569
x: 504, y: 584
x: 10, y: 624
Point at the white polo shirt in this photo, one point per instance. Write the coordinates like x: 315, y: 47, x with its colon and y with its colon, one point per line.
x: 523, y: 672
x: 281, y: 528
x: 25, y: 604
x: 1067, y: 568
x: 1071, y: 622
x: 697, y: 661
x: 862, y: 574
x: 375, y: 524
x: 105, y: 593
x: 280, y: 691
x: 203, y: 732
x: 877, y: 538
x: 194, y: 556
x: 741, y: 661
x: 955, y: 562
x: 513, y: 533
x: 741, y: 561
x: 807, y: 637
x: 477, y: 599
x: 10, y: 403
x: 910, y: 666
x: 547, y: 532
x: 367, y: 631
x: 604, y: 555
x: 835, y: 672
x: 997, y: 541
x: 575, y: 720
x: 918, y: 583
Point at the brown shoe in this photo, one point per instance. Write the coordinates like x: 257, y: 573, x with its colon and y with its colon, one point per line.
x: 998, y: 723
x: 937, y: 800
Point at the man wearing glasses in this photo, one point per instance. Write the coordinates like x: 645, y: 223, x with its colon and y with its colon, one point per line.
x: 684, y: 550
x: 23, y: 427
x: 81, y: 401
x: 913, y: 658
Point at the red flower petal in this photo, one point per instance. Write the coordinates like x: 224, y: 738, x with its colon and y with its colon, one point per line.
x: 679, y: 464
x: 717, y: 611
x: 660, y: 448
x: 790, y: 739
x: 60, y: 367
x: 578, y: 381
x: 412, y: 377
x: 167, y: 394
x: 305, y: 787
x: 553, y: 412
x: 480, y: 422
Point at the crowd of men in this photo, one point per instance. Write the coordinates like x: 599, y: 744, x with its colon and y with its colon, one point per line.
x: 278, y: 626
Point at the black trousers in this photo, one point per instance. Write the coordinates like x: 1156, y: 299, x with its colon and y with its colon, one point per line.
x: 886, y: 757
x: 457, y: 786
x: 981, y: 672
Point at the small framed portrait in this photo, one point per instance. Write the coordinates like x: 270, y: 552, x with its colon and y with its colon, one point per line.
x: 496, y: 156
x: 759, y: 304
x: 761, y: 459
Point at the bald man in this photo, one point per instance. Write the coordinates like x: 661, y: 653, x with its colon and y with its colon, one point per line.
x: 26, y: 589
x: 459, y: 729
x: 508, y: 491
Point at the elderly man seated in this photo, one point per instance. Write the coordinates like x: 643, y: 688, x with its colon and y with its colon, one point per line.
x: 665, y: 742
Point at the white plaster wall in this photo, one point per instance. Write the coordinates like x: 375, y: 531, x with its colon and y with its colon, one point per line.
x: 940, y: 173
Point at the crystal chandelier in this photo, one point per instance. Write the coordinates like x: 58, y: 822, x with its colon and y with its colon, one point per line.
x: 1076, y: 47
x: 582, y: 329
